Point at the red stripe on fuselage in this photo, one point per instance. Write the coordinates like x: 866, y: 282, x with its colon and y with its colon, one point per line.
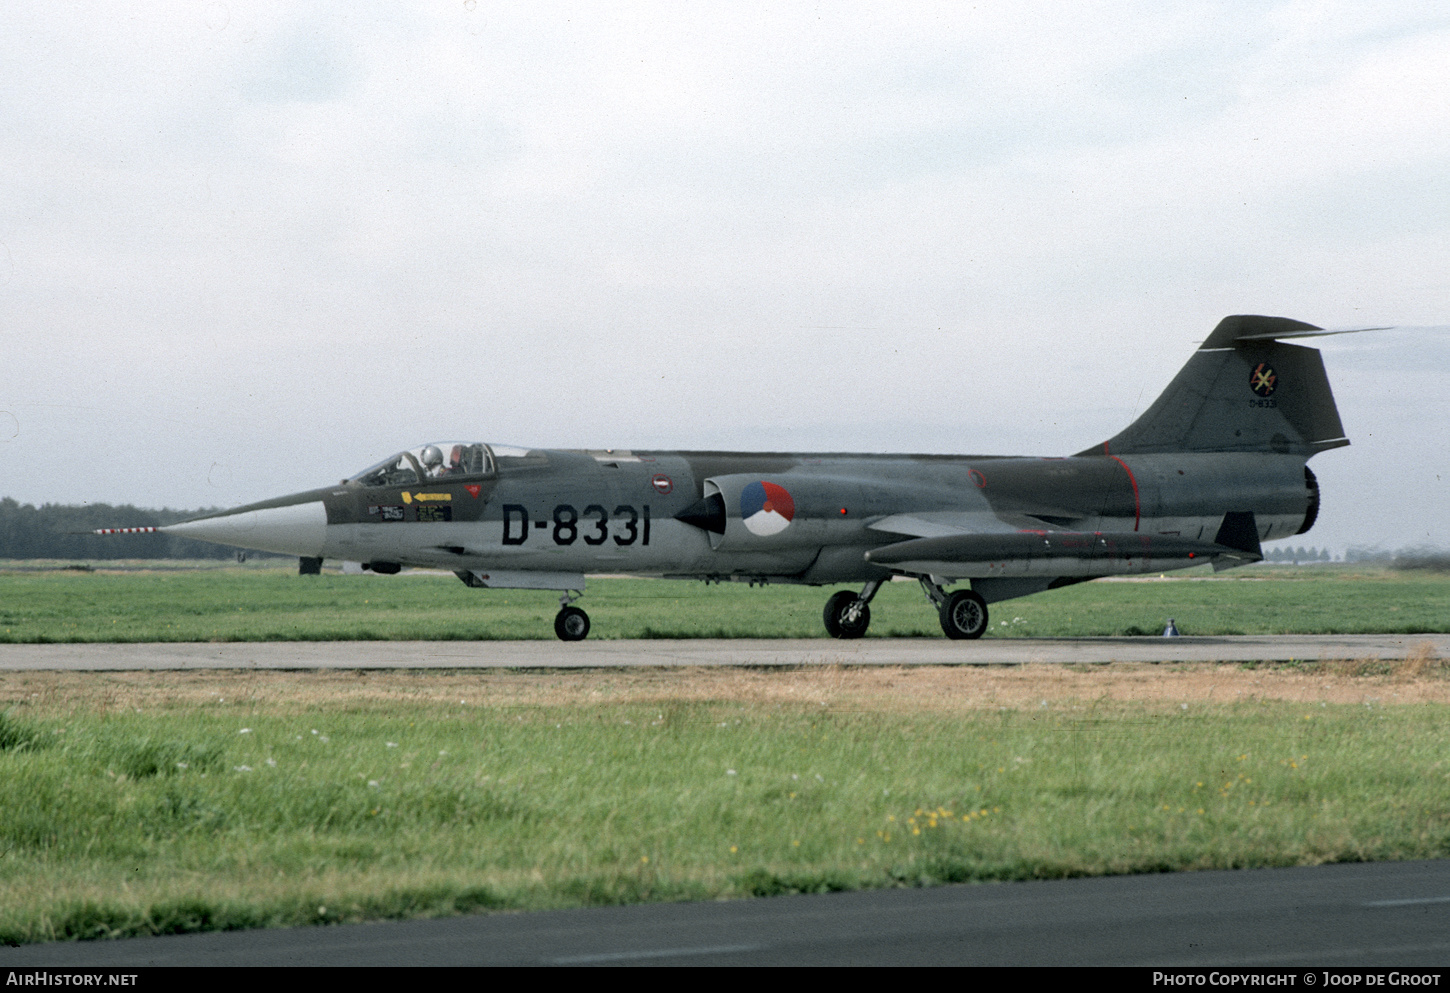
x: 1137, y: 504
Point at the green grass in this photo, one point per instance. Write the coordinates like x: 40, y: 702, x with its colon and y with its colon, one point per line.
x: 257, y: 603
x: 115, y: 821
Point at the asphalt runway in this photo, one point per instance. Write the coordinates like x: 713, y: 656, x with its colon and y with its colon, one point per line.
x: 1383, y: 914
x: 703, y: 652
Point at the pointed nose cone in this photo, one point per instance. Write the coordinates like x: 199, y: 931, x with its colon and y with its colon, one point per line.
x: 294, y: 529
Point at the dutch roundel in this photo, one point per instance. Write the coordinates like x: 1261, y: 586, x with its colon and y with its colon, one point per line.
x: 766, y: 508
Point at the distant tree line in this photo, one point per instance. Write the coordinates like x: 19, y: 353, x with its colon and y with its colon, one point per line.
x: 1426, y: 557
x: 62, y: 531
x: 1297, y: 555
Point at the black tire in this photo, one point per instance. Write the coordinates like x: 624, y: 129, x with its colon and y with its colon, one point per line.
x: 571, y: 624
x: 964, y: 615
x: 834, y: 616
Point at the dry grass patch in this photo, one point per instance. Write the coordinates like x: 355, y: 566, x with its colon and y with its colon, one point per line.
x: 1420, y: 678
x: 1421, y: 664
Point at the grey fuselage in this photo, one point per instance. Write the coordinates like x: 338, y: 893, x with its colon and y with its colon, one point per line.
x: 576, y: 512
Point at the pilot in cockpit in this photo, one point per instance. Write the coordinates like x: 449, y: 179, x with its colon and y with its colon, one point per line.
x: 432, y: 458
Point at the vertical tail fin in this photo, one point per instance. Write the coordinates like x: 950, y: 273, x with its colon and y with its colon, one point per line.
x: 1242, y: 391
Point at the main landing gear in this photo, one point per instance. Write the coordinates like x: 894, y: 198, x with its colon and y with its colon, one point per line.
x: 963, y: 613
x: 570, y: 623
x: 847, y: 614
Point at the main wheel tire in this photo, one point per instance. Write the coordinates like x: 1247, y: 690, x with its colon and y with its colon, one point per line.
x: 835, y: 616
x: 571, y: 624
x: 964, y: 615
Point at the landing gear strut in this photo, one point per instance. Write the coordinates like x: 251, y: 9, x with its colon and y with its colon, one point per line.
x: 848, y: 614
x: 570, y: 623
x: 963, y: 613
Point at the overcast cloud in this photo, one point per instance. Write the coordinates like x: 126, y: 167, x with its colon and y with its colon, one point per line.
x: 249, y: 248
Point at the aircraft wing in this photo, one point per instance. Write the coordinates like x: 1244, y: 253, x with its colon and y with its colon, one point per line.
x: 930, y: 524
x: 945, y: 523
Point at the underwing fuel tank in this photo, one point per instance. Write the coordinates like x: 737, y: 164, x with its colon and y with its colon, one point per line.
x: 1050, y: 554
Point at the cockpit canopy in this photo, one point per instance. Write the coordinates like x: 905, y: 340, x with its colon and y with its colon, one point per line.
x: 438, y: 460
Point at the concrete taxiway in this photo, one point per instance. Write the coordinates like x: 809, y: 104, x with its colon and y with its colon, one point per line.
x: 706, y: 652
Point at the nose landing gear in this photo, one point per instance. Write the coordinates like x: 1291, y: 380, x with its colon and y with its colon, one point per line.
x: 570, y: 623
x: 847, y: 614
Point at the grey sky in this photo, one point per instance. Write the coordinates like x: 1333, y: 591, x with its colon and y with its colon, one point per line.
x: 248, y: 248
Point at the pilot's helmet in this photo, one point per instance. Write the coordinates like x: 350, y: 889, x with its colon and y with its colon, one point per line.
x: 431, y: 456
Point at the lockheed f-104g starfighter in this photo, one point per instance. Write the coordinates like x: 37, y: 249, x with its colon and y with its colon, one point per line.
x: 1217, y: 465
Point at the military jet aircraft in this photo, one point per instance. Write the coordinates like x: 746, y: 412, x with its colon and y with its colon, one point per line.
x: 1215, y: 466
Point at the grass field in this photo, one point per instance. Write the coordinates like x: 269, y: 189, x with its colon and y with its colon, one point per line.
x: 264, y: 602
x: 141, y: 803
x: 144, y: 803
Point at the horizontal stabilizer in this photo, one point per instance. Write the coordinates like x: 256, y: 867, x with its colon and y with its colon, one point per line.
x: 1312, y: 332
x: 1252, y: 327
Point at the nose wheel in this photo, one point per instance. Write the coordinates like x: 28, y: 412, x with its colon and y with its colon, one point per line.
x: 848, y: 614
x: 570, y: 623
